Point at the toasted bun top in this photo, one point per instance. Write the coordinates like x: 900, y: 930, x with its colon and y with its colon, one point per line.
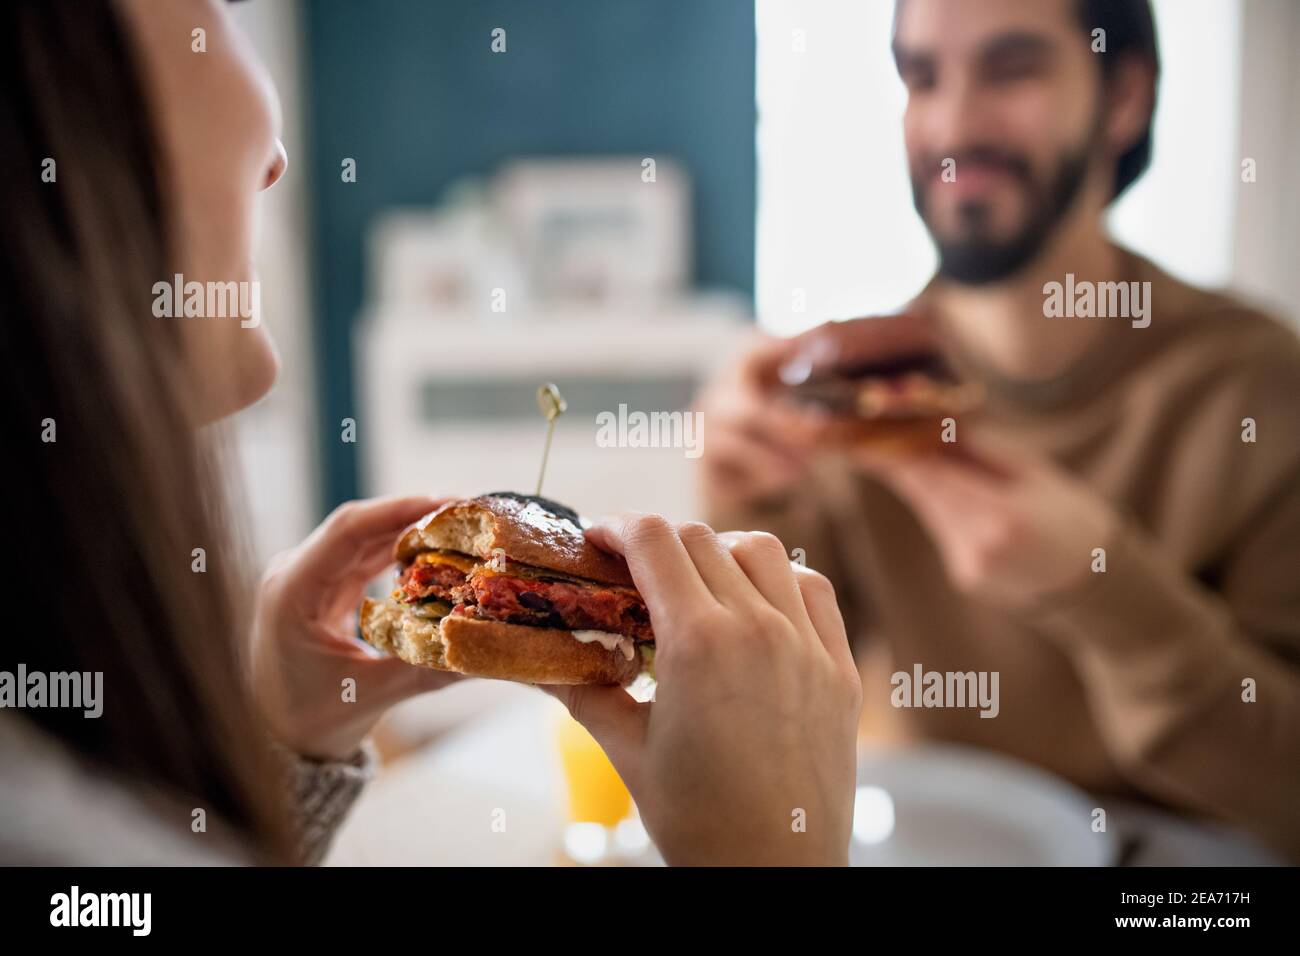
x: 528, y: 529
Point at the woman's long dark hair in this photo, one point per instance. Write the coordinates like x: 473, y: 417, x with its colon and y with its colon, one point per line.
x: 101, y: 523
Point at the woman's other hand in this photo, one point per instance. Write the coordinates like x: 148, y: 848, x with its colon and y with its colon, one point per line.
x: 304, y: 638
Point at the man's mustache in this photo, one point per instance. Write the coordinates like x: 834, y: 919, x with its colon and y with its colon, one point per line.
x: 986, y: 156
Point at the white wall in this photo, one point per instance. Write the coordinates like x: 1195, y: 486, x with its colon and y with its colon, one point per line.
x: 1180, y: 213
x: 1266, y: 260
x: 835, y: 218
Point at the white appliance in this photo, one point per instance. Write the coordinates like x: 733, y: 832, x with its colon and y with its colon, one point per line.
x: 449, y: 407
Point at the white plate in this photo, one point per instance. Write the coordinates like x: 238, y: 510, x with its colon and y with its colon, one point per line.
x: 958, y: 806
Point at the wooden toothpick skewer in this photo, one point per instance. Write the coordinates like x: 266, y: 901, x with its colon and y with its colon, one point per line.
x: 553, y: 405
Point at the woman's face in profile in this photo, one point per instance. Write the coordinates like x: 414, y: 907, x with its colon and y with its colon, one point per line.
x: 218, y: 122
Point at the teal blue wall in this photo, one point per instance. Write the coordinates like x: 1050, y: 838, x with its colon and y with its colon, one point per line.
x: 412, y: 91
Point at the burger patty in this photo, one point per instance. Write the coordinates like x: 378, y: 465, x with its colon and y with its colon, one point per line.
x: 524, y: 595
x: 553, y: 603
x: 420, y: 581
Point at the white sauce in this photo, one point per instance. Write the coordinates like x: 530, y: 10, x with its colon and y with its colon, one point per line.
x: 608, y: 641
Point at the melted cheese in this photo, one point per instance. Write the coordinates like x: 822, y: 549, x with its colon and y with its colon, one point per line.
x: 461, y: 562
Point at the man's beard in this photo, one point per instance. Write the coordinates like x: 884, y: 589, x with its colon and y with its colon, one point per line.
x: 977, y: 259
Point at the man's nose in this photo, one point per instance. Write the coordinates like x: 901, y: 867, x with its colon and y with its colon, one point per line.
x: 958, y: 116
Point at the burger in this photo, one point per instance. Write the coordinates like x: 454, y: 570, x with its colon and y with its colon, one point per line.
x: 507, y: 586
x: 897, y: 405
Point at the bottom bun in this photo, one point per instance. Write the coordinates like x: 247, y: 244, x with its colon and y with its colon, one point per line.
x: 529, y: 655
x: 888, y: 437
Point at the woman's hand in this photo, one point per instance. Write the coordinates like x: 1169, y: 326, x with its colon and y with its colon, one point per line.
x: 748, y: 754
x: 304, y: 638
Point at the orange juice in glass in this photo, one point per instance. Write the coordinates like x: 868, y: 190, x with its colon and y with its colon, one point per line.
x: 598, y: 800
x: 596, y: 792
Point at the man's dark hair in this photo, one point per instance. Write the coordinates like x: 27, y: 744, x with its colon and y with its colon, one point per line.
x: 1130, y: 30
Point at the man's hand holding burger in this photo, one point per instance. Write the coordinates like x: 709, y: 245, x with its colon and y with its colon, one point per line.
x: 1010, y: 528
x: 760, y: 441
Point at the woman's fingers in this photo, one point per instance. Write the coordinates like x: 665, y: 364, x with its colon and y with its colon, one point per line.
x: 349, y: 545
x: 393, y: 680
x: 660, y: 564
x: 824, y: 612
x: 614, y: 719
x: 763, y: 558
x: 718, y: 569
x: 336, y: 599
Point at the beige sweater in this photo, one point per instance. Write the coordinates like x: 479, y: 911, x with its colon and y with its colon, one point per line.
x: 55, y: 810
x: 1132, y: 684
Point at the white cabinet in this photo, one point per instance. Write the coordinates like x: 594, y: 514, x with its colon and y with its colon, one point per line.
x: 448, y: 406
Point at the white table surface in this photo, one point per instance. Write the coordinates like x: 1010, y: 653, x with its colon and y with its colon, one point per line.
x: 953, y: 806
